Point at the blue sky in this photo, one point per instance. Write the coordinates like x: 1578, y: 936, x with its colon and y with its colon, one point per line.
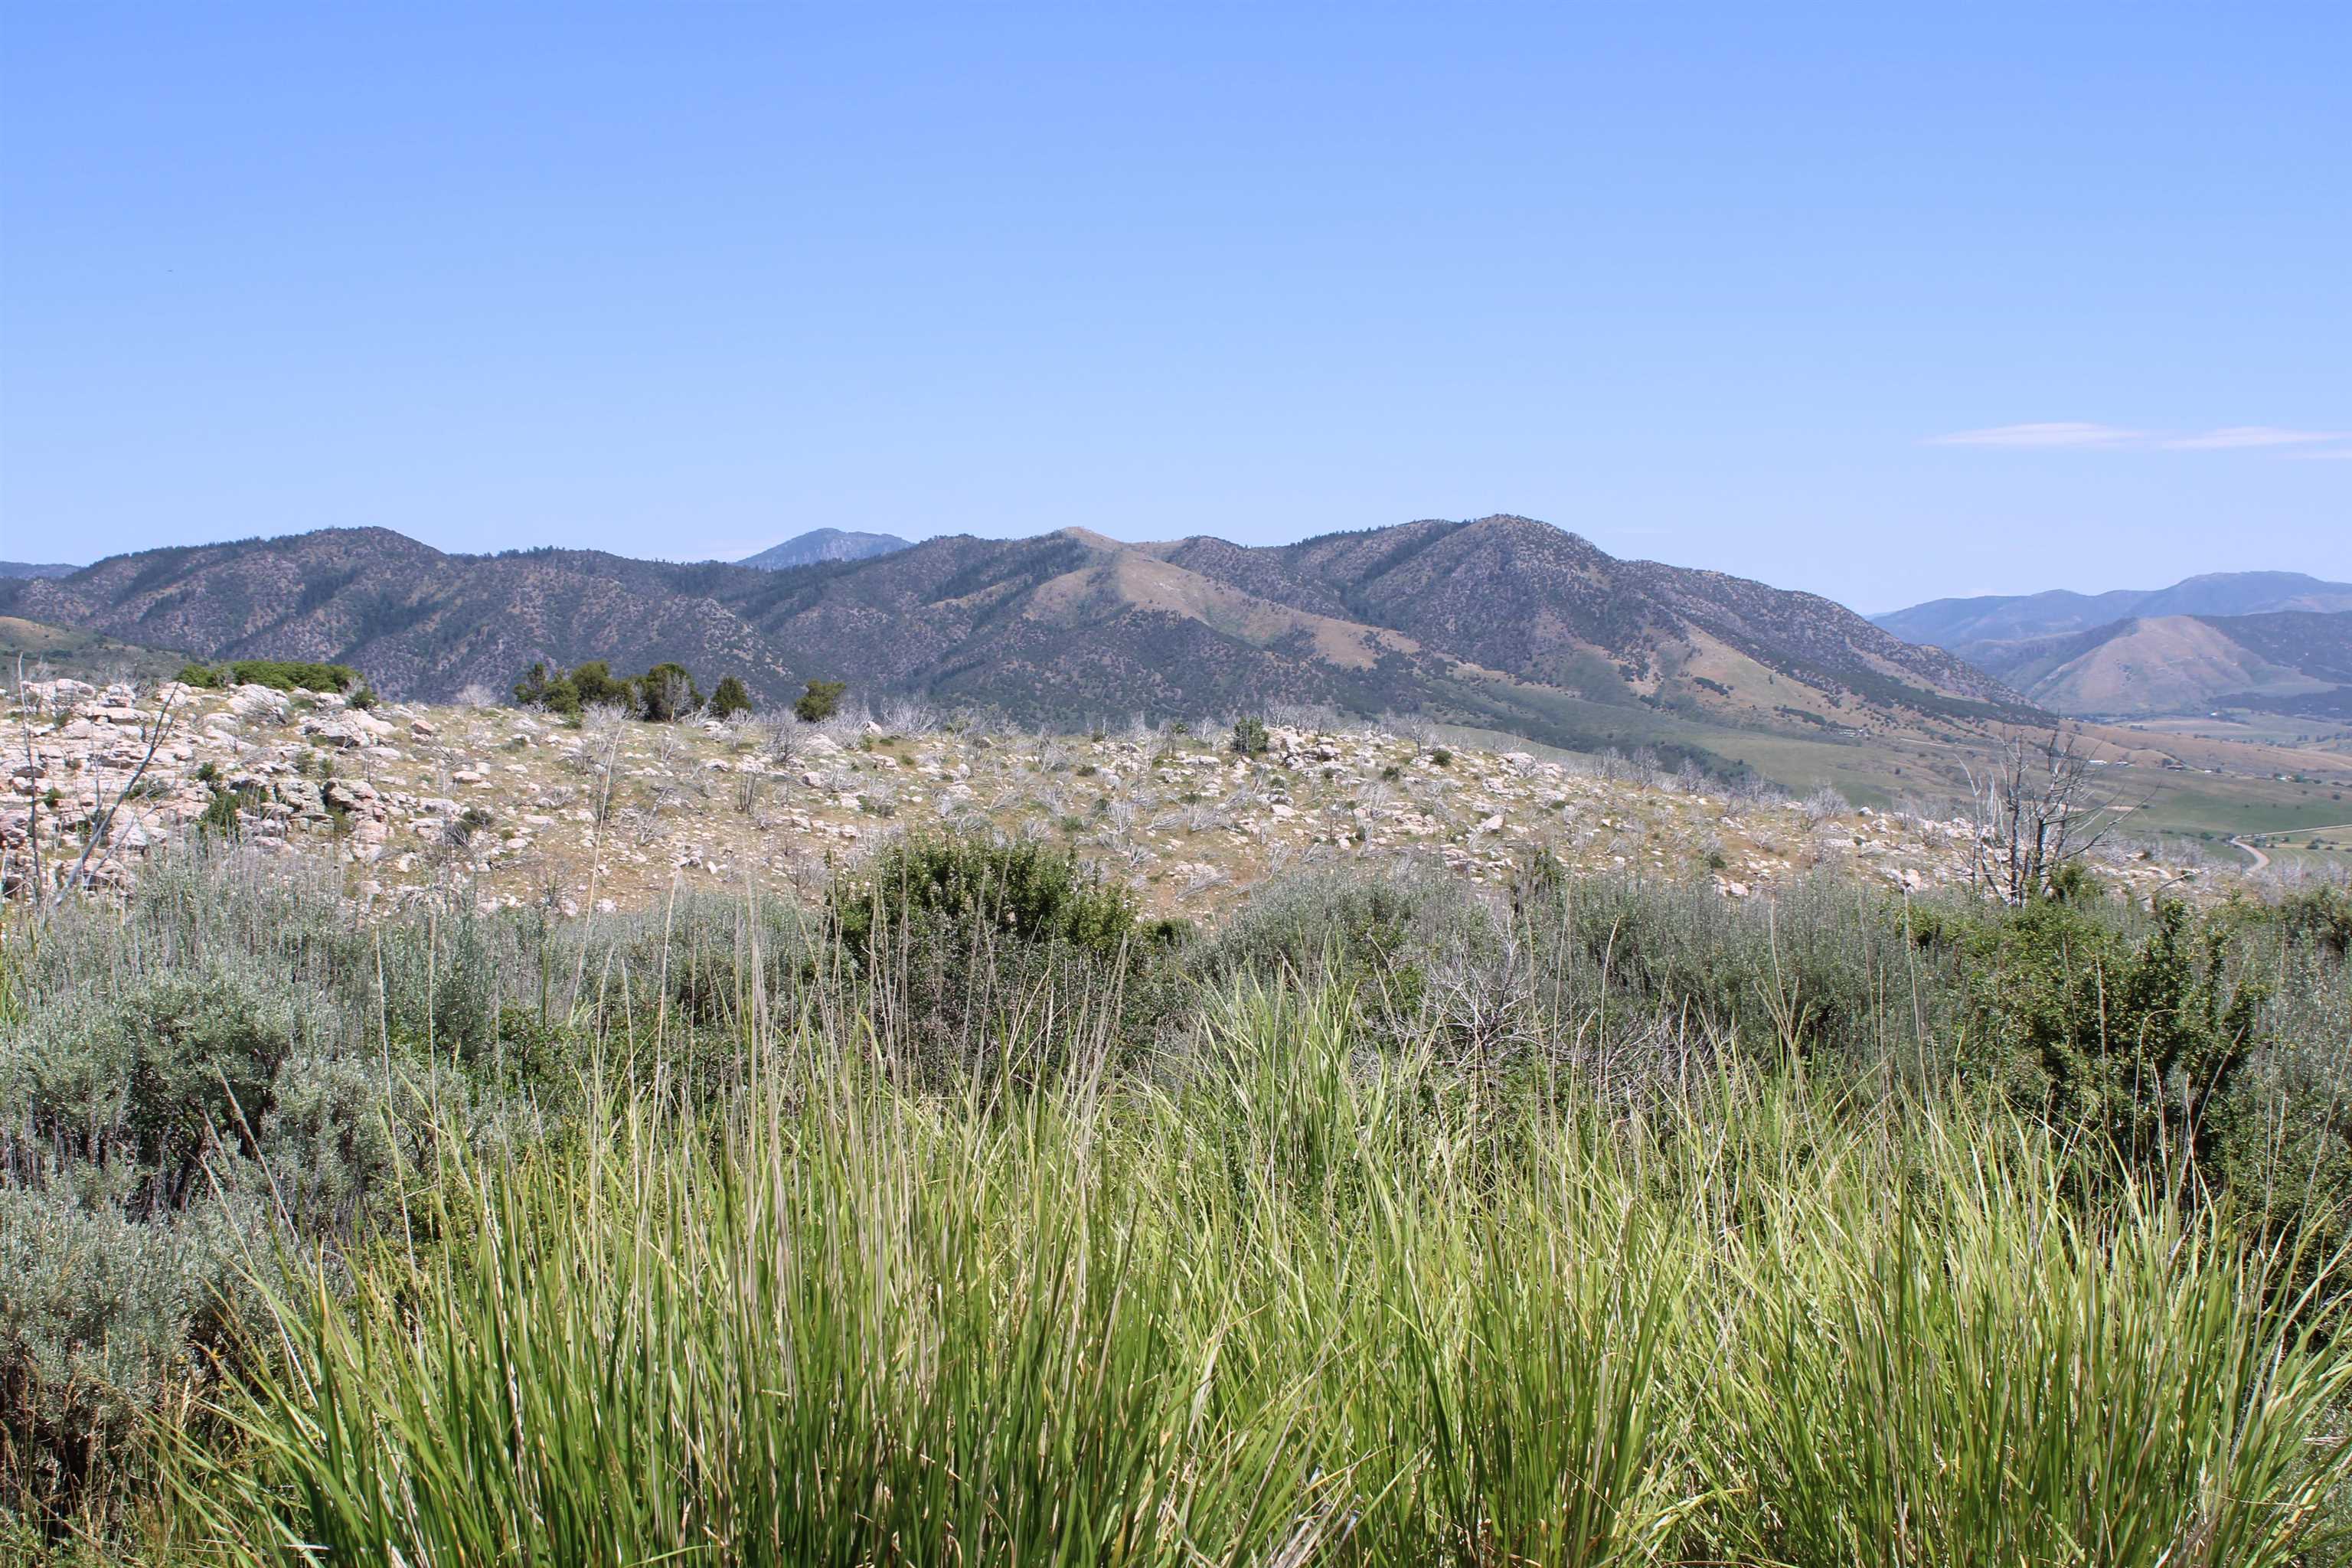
x: 1886, y: 303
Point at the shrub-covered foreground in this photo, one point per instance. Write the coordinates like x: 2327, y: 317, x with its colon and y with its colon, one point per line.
x: 960, y: 1224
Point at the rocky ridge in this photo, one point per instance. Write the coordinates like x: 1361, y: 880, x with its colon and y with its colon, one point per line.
x: 502, y: 808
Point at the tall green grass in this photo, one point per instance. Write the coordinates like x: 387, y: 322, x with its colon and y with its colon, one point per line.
x: 1284, y: 1299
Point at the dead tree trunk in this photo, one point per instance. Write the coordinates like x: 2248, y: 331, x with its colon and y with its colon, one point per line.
x: 2038, y: 804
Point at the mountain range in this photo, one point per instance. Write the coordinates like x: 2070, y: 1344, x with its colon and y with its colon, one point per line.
x: 823, y: 544
x: 35, y: 569
x: 2270, y: 641
x: 2296, y: 662
x: 1962, y: 624
x: 1501, y: 621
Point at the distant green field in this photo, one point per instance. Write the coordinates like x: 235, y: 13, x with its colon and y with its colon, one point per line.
x: 2204, y: 802
x: 2263, y: 729
x: 1885, y: 773
x: 1876, y: 773
x: 2334, y: 855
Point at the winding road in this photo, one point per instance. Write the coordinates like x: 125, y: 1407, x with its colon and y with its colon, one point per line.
x: 2261, y: 859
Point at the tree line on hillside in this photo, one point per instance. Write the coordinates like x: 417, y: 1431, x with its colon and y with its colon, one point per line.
x: 662, y: 695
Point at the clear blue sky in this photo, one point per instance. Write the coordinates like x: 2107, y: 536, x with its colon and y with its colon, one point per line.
x: 681, y: 280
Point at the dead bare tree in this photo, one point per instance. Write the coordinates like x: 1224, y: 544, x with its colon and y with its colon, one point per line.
x: 785, y: 737
x: 1417, y: 728
x: 670, y: 694
x: 33, y: 777
x: 102, y: 811
x: 747, y: 785
x: 2037, y: 804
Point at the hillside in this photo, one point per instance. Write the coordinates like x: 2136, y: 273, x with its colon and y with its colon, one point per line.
x: 1503, y: 622
x: 2289, y: 662
x: 47, y: 652
x: 421, y: 622
x: 35, y: 569
x: 1546, y: 607
x: 1974, y: 629
x: 823, y: 544
x: 416, y: 799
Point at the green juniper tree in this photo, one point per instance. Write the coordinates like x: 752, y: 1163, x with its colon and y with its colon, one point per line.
x: 730, y: 698
x: 666, y: 692
x: 821, y: 700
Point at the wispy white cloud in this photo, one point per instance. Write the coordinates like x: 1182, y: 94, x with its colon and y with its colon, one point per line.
x: 2057, y: 434
x: 2231, y: 437
x: 2054, y: 433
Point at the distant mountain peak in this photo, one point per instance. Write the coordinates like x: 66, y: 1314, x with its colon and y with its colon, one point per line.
x: 822, y: 544
x: 2273, y: 641
x: 1972, y: 627
x: 37, y: 569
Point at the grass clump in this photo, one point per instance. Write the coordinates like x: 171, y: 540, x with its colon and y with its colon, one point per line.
x: 958, y: 1214
x: 1290, y: 1300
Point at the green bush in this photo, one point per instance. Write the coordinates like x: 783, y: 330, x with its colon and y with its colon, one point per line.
x: 2072, y: 883
x: 2141, y: 1043
x: 1249, y: 737
x: 107, y: 1320
x: 339, y: 1131
x: 730, y: 698
x: 820, y: 700
x: 666, y: 692
x: 1808, y: 972
x: 180, y: 1063
x: 1382, y: 934
x: 550, y: 690
x: 441, y: 986
x: 699, y: 951
x: 1020, y: 891
x: 288, y: 675
x: 985, y: 958
x: 595, y: 684
x: 202, y: 1051
x: 136, y: 1150
x: 219, y: 818
x: 2319, y: 917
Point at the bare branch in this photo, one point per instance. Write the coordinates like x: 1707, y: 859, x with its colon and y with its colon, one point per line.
x: 2037, y: 806
x: 101, y: 822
